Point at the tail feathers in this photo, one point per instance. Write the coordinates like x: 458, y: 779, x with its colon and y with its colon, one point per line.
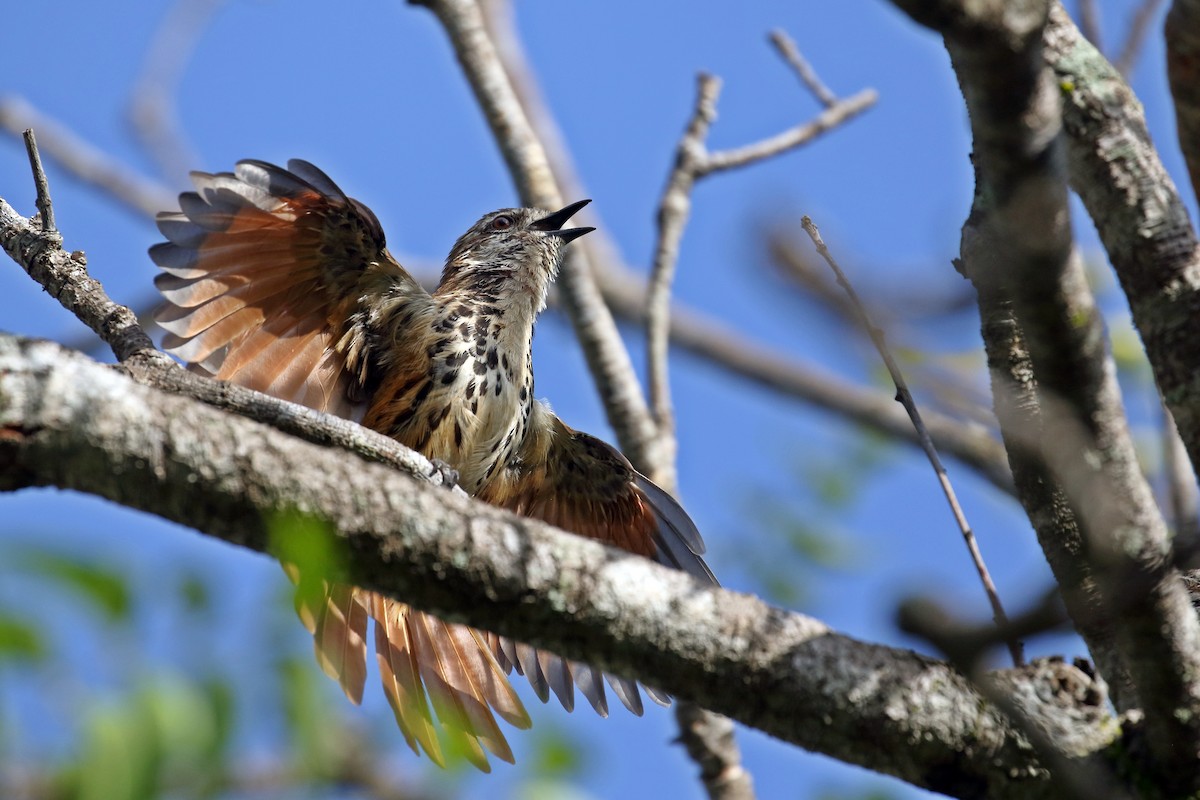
x: 428, y: 668
x: 548, y: 673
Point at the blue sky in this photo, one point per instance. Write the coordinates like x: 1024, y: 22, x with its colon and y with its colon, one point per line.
x: 371, y: 93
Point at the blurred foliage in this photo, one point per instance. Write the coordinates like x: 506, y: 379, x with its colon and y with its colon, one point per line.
x: 19, y: 640
x: 160, y: 729
x: 103, y: 589
x: 802, y: 537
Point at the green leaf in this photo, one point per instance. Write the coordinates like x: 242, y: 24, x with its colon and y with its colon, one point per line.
x: 119, y: 758
x: 557, y: 753
x: 105, y: 589
x: 20, y: 641
x: 315, y: 730
x: 195, y: 594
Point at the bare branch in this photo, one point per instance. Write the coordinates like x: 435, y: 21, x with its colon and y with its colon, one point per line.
x: 833, y: 116
x: 152, y: 113
x: 1139, y: 215
x: 99, y: 433
x: 1017, y: 247
x: 1182, y: 32
x: 673, y: 211
x: 44, y: 204
x: 910, y: 406
x: 1139, y: 26
x: 64, y: 275
x: 85, y: 162
x: 693, y: 162
x: 708, y: 739
x: 808, y: 76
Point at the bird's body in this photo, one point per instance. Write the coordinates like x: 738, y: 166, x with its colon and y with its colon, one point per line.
x: 278, y: 281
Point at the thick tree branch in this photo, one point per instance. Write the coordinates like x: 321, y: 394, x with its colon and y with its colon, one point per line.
x: 1183, y: 69
x: 66, y: 421
x: 1138, y: 213
x: 1017, y: 244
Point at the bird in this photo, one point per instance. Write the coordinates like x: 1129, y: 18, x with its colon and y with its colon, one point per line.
x: 276, y: 280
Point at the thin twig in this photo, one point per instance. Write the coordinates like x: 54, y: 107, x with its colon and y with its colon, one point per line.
x: 1139, y: 26
x: 905, y: 398
x: 85, y: 161
x: 673, y: 211
x: 45, y: 207
x: 835, y: 115
x: 808, y: 76
x: 693, y: 162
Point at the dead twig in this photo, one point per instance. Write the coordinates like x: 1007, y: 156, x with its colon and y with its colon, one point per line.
x: 906, y: 399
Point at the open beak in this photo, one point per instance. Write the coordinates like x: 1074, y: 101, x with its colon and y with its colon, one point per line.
x: 552, y: 223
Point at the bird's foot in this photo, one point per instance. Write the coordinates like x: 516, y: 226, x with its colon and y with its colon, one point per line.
x: 447, y: 475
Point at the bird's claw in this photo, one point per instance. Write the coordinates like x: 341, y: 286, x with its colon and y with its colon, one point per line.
x: 447, y: 473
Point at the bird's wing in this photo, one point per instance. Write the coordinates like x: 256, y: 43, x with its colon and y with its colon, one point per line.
x: 262, y: 271
x: 577, y: 482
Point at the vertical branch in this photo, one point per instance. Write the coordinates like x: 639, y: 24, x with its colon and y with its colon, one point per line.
x: 673, y: 211
x: 44, y: 205
x: 1182, y: 32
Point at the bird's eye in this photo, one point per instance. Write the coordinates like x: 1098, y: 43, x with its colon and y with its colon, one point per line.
x: 502, y: 223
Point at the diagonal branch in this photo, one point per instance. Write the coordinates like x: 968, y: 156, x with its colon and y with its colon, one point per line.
x: 904, y: 396
x: 1138, y: 213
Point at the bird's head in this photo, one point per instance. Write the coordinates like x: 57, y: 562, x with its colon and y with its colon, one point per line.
x: 511, y: 250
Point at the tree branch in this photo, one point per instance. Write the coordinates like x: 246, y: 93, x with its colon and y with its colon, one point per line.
x: 1183, y: 69
x: 1017, y: 246
x: 66, y: 421
x: 905, y: 398
x: 1138, y: 213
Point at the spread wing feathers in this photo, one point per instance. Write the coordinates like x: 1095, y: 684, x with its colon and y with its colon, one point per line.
x: 262, y: 269
x: 579, y: 483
